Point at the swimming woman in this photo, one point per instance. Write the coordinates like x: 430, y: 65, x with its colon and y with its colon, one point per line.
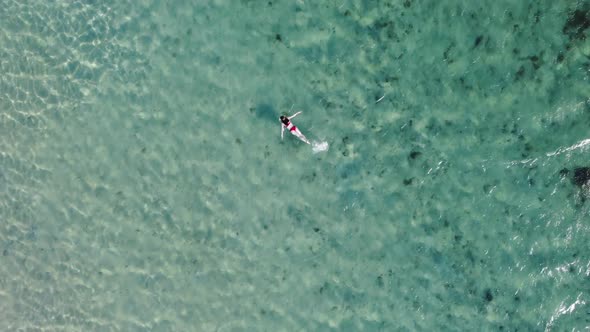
x: 286, y: 123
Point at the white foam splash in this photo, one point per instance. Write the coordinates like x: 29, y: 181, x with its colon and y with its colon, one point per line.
x: 319, y: 146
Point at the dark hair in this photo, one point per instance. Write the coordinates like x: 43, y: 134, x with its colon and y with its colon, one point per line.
x: 284, y: 120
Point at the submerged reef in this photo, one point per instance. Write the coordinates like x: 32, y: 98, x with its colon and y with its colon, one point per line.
x: 581, y: 176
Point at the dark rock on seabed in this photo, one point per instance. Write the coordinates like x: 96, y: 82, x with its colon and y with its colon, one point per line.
x: 581, y: 176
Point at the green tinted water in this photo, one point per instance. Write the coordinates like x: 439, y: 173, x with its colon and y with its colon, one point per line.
x: 144, y: 185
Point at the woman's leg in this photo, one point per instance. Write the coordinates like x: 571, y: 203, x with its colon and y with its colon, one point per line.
x: 297, y: 133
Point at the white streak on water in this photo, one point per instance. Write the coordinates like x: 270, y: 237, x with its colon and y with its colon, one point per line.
x: 570, y: 148
x: 563, y: 309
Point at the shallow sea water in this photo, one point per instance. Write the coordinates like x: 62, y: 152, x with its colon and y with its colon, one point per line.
x: 144, y: 185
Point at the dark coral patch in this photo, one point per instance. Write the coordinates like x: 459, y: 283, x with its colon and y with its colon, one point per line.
x: 577, y: 23
x: 581, y: 176
x: 560, y: 57
x: 519, y: 74
x: 415, y: 154
x: 536, y: 61
x: 478, y: 41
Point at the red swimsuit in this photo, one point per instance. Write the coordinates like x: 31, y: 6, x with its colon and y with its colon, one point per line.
x: 293, y: 128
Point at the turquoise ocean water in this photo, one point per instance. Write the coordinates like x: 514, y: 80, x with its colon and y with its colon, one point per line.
x: 144, y: 185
